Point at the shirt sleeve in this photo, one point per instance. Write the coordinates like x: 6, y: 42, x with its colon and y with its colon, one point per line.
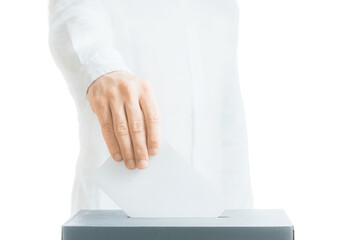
x: 81, y: 42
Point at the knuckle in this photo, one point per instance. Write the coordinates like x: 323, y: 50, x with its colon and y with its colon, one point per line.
x: 112, y: 93
x: 96, y: 98
x: 137, y: 126
x: 121, y: 129
x: 97, y: 104
x: 107, y: 128
x: 141, y: 151
x: 127, y: 88
x: 154, y: 142
x: 155, y: 119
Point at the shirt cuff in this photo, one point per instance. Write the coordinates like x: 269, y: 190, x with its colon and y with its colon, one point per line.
x: 99, y: 63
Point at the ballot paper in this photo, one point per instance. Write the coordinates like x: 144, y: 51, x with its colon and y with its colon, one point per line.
x: 169, y: 187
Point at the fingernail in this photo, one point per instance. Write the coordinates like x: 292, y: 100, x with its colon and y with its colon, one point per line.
x: 153, y: 151
x: 131, y: 164
x: 117, y: 157
x: 143, y: 164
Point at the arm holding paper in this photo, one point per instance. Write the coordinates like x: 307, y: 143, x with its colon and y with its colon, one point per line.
x: 81, y: 41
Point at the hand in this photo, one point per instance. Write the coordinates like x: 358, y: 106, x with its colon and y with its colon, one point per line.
x: 128, y: 115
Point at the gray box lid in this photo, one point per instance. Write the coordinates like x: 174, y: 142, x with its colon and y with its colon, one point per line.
x: 249, y: 224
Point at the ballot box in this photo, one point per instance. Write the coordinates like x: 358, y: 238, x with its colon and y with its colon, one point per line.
x: 232, y: 224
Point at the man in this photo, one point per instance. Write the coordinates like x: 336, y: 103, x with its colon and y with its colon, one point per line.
x: 139, y: 69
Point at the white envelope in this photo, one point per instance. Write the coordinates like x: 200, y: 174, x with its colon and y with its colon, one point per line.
x: 169, y: 187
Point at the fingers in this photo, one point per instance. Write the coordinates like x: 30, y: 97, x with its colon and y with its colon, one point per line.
x: 129, y: 117
x: 138, y: 135
x: 106, y: 124
x: 122, y: 134
x: 153, y: 121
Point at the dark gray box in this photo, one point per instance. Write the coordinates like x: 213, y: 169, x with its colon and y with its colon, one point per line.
x: 239, y: 224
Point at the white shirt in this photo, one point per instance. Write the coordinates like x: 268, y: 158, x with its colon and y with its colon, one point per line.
x: 188, y: 50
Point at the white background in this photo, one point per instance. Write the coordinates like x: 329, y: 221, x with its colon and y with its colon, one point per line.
x: 299, y: 67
